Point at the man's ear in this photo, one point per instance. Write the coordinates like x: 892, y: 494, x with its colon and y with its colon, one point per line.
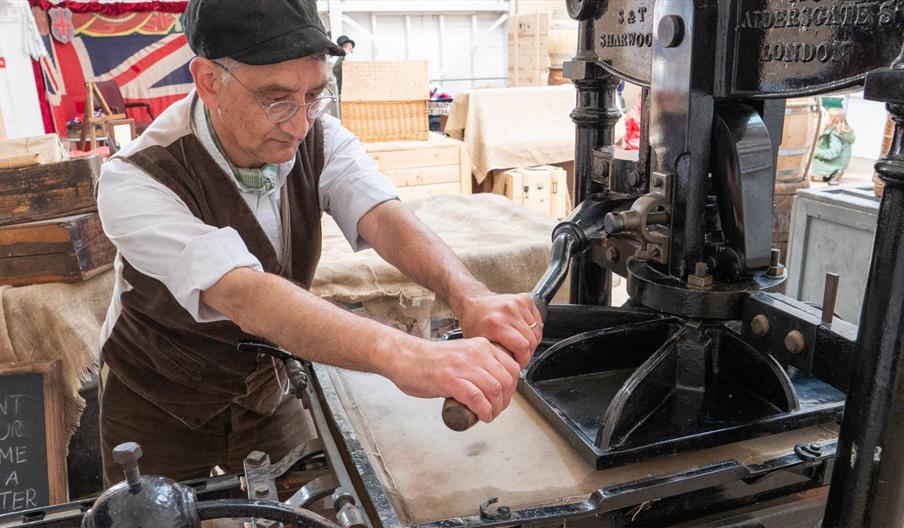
x: 208, y: 81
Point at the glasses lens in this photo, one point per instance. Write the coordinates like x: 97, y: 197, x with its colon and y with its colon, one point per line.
x: 318, y: 107
x: 282, y: 111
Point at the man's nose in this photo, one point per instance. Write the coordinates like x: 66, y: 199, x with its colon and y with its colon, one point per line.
x: 297, y: 126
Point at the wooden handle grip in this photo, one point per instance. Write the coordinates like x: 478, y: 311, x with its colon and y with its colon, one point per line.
x: 456, y: 416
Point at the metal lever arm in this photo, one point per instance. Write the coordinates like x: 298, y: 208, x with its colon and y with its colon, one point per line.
x: 570, y: 238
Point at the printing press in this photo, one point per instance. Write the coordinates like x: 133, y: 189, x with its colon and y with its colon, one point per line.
x: 708, y: 399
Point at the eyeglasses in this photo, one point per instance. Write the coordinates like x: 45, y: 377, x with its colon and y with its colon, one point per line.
x: 281, y: 111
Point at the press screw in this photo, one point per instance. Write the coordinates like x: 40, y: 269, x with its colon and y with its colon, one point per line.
x: 612, y: 255
x: 127, y: 455
x: 794, y: 342
x: 671, y: 31
x: 759, y: 325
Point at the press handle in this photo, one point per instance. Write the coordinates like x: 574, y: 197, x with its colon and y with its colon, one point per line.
x: 456, y: 415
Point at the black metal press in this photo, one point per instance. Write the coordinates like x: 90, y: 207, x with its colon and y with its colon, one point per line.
x: 705, y: 351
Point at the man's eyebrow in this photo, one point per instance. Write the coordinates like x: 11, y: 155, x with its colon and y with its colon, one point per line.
x: 319, y: 88
x: 274, y: 87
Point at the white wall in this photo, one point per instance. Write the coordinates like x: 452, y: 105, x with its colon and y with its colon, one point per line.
x: 867, y: 118
x: 18, y: 95
x: 440, y: 31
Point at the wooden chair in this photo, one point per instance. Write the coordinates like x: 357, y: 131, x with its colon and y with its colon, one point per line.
x: 106, y: 97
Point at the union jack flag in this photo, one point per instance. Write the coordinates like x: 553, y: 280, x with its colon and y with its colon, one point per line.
x: 146, y: 53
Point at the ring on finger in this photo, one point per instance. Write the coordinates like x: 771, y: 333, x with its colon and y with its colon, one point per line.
x: 532, y: 325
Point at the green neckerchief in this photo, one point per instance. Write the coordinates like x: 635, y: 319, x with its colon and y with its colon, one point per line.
x: 261, y: 179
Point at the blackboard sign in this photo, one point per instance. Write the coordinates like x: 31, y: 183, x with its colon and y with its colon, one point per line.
x: 32, y: 458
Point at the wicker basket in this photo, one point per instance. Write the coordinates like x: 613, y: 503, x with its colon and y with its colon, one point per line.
x: 386, y: 120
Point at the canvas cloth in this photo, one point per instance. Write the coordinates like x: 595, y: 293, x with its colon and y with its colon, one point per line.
x: 505, y: 245
x: 56, y: 321
x: 430, y: 472
x: 508, y: 128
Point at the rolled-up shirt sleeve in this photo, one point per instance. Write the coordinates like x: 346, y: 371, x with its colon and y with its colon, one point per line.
x: 157, y: 234
x: 350, y: 184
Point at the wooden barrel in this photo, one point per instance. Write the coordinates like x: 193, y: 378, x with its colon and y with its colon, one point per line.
x: 563, y: 39
x: 801, y: 120
x: 798, y: 137
x: 556, y: 77
x: 886, y: 145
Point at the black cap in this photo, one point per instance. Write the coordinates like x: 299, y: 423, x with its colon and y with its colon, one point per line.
x: 251, y: 34
x: 344, y: 39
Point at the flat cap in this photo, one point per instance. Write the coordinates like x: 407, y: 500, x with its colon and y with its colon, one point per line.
x: 254, y: 32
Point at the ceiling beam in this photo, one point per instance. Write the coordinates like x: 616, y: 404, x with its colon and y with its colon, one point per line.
x: 418, y: 6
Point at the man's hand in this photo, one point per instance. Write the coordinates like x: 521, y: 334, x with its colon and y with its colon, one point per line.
x: 475, y: 372
x: 512, y: 321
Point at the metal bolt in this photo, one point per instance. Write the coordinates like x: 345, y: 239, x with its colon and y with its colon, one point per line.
x: 759, y: 325
x: 775, y: 255
x: 611, y: 255
x: 671, y: 31
x: 341, y: 497
x: 794, y: 342
x: 261, y: 490
x: 700, y: 269
x: 256, y: 458
x: 127, y: 455
x: 634, y: 178
x: 775, y: 266
x: 504, y: 510
x: 816, y: 448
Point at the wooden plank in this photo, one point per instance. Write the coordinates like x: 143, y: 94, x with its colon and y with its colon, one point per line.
x: 60, y: 235
x: 416, y: 192
x: 48, y: 191
x: 423, y: 175
x: 65, y: 250
x: 430, y: 156
x: 32, y: 450
x: 464, y: 166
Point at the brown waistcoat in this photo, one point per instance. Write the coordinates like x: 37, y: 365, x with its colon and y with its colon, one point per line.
x: 193, y: 370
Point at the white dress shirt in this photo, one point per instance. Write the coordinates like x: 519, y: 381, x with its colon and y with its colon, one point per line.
x: 155, y: 231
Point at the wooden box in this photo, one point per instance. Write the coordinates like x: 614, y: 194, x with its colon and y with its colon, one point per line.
x: 438, y: 166
x: 61, y: 250
x: 47, y: 191
x: 528, y: 50
x: 543, y: 189
x: 385, y: 101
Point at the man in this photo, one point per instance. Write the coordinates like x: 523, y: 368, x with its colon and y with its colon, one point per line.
x: 348, y: 46
x: 215, y: 212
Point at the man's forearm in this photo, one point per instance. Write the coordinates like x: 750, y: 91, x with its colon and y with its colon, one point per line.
x: 406, y: 243
x: 268, y: 306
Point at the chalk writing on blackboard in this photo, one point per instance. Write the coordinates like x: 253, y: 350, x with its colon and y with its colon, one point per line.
x: 23, y: 456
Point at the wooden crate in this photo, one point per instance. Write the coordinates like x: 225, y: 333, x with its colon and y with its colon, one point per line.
x: 528, y: 50
x: 385, y: 101
x: 543, y: 189
x: 48, y: 191
x: 440, y: 165
x: 60, y: 250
